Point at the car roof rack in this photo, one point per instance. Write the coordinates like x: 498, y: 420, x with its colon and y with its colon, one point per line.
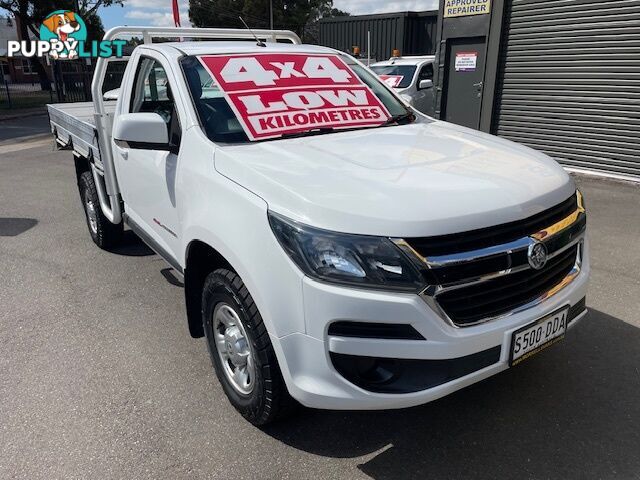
x: 110, y: 202
x: 149, y: 33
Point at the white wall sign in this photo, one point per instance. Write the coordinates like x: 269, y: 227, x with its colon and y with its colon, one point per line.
x: 466, y: 61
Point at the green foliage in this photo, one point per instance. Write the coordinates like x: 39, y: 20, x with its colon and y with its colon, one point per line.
x: 301, y: 16
x: 95, y: 29
x: 32, y: 12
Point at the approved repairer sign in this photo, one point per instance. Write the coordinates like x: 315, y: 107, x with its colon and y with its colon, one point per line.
x: 276, y: 94
x: 463, y: 8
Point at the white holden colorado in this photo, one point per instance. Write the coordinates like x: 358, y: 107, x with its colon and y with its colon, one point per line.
x: 339, y: 249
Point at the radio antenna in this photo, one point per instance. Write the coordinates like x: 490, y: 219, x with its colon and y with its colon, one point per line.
x: 260, y: 43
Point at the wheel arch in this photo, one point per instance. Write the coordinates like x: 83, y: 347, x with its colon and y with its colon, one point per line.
x: 81, y: 164
x: 200, y: 260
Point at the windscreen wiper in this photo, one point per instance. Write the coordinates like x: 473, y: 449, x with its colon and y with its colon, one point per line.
x: 396, y: 119
x: 307, y: 133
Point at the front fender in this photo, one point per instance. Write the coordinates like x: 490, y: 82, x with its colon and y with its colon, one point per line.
x: 234, y: 223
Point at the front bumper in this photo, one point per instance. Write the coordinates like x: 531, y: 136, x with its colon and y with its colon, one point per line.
x: 314, y: 381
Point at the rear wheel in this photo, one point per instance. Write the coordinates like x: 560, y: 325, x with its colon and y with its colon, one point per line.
x: 103, y: 233
x: 241, y: 351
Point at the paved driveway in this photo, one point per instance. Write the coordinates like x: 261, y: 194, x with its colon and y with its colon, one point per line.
x: 21, y: 127
x: 100, y: 379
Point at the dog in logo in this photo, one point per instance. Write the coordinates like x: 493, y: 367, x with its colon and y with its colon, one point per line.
x: 62, y: 25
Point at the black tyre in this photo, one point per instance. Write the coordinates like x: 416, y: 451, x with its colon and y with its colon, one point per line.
x: 241, y: 351
x: 103, y: 233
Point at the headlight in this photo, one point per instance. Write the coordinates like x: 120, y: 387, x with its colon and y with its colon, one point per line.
x: 357, y: 260
x: 580, y: 200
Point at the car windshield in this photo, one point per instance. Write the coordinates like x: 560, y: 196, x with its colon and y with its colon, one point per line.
x: 406, y: 72
x: 221, y: 125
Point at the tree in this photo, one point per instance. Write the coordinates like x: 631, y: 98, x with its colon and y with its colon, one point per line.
x: 218, y: 13
x: 336, y: 12
x: 297, y: 15
x: 30, y: 13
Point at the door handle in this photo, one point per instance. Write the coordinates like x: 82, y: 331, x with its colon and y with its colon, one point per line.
x: 478, y: 85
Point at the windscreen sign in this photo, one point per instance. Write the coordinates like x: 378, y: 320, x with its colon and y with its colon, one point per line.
x: 276, y: 94
x: 393, y: 81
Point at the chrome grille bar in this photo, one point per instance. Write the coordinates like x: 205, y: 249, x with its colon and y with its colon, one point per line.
x: 557, y: 238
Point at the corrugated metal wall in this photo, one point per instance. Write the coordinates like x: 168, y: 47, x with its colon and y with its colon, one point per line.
x: 569, y: 81
x: 420, y: 34
x: 413, y: 33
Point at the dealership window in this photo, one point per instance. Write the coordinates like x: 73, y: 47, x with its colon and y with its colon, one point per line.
x: 4, y: 65
x: 27, y: 69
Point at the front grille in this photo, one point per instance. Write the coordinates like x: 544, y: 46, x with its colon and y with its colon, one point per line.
x: 469, y: 305
x: 487, y: 237
x: 482, y: 274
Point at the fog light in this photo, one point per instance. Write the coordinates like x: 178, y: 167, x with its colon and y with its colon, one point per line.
x: 375, y: 370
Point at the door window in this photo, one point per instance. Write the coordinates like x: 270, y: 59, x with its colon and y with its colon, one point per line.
x: 426, y: 72
x: 152, y: 93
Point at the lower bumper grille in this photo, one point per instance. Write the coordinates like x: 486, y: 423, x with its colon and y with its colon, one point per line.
x: 383, y: 331
x: 578, y: 309
x: 471, y: 304
x: 400, y: 375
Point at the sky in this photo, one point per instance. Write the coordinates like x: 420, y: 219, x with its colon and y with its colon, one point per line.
x: 158, y: 12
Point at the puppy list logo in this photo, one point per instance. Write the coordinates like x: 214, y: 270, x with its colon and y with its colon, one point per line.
x: 63, y: 36
x: 63, y: 29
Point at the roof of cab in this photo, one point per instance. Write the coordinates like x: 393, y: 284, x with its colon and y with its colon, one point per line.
x: 245, y: 46
x: 406, y: 60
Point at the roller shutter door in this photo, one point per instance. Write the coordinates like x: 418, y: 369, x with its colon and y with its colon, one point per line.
x: 569, y: 81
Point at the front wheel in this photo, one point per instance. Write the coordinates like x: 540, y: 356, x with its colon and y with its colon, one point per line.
x: 103, y: 233
x: 241, y: 351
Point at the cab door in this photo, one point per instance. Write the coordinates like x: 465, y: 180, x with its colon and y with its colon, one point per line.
x: 423, y: 98
x: 147, y: 177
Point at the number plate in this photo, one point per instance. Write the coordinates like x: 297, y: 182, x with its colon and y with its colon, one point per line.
x: 538, y: 335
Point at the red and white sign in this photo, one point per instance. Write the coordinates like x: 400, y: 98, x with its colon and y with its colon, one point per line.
x: 274, y: 94
x: 466, y: 61
x: 392, y: 80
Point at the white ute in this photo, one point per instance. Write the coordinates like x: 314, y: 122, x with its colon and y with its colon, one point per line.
x: 338, y: 250
x: 412, y: 79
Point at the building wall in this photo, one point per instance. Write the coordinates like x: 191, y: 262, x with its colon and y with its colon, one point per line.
x: 413, y: 33
x: 16, y: 69
x: 568, y: 82
x: 560, y: 76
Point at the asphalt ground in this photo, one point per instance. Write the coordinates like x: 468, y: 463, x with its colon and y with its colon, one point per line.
x: 99, y: 377
x: 18, y: 128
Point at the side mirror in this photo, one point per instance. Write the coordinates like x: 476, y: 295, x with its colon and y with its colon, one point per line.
x: 146, y: 131
x: 111, y: 94
x: 424, y: 84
